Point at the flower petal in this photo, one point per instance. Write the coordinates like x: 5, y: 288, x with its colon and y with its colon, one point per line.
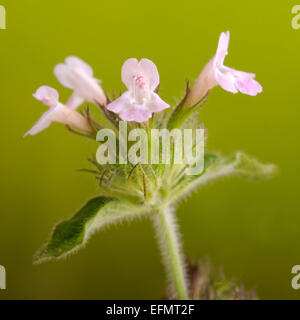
x: 156, y: 104
x: 78, y: 64
x: 249, y: 86
x: 222, y: 49
x: 135, y: 114
x: 47, y: 95
x: 42, y: 124
x: 129, y: 69
x: 226, y: 79
x: 64, y: 75
x: 233, y: 81
x: 145, y: 67
x: 77, y: 75
x: 243, y: 74
x: 72, y: 118
x: 75, y: 101
x: 120, y: 103
x: 150, y: 71
x: 67, y: 72
x: 139, y: 102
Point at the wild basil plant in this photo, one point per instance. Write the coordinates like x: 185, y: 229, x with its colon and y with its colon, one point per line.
x: 130, y: 189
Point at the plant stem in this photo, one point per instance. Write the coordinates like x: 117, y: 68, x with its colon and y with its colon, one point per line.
x: 171, y: 251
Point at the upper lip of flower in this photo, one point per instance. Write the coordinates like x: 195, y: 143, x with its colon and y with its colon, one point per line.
x: 222, y: 49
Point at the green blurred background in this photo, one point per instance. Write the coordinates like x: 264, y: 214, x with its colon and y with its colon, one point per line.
x: 250, y: 229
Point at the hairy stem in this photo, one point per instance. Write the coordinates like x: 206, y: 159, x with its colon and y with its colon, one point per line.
x: 171, y: 252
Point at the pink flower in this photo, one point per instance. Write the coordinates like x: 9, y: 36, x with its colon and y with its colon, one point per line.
x: 57, y: 112
x: 77, y: 75
x: 215, y: 73
x: 140, y: 101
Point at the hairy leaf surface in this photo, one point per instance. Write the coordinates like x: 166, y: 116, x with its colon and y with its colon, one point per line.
x: 72, y: 234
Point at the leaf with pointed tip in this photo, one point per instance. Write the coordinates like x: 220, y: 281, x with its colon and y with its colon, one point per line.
x: 216, y: 166
x: 70, y: 235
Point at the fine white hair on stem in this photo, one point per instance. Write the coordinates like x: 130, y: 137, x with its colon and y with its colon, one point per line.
x: 171, y: 252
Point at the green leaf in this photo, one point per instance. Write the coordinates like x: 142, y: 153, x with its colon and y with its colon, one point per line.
x: 70, y: 235
x: 240, y: 164
x: 216, y: 166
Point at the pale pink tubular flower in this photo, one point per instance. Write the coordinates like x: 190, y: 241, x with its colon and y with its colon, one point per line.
x: 140, y: 101
x: 215, y: 73
x: 57, y: 113
x: 77, y: 75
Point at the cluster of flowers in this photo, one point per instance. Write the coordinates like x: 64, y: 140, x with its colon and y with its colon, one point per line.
x: 141, y: 79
